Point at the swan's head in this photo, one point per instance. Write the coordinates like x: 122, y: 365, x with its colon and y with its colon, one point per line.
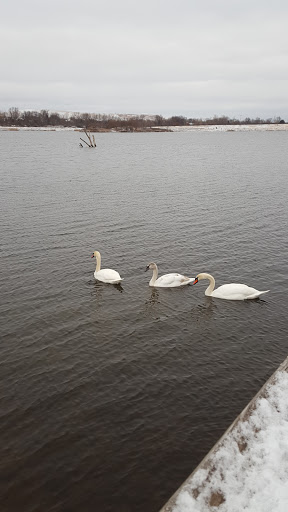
x: 151, y: 266
x: 201, y: 276
x: 96, y: 254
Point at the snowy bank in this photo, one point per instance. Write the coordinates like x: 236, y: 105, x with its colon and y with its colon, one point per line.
x: 39, y: 129
x: 247, y: 470
x: 200, y: 128
x: 230, y: 128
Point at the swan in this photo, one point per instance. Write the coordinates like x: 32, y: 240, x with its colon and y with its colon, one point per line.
x: 232, y: 291
x: 106, y: 275
x: 168, y: 280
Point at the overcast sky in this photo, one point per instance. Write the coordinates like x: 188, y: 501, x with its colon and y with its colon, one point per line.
x: 187, y: 57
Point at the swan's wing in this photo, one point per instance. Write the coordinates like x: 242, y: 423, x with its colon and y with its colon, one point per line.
x: 107, y: 274
x: 235, y: 291
x: 173, y: 279
x: 165, y: 280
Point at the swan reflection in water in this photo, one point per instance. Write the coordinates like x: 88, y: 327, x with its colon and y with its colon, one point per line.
x: 102, y: 286
x: 152, y: 304
x: 99, y: 288
x: 154, y: 298
x: 206, y: 310
x: 118, y: 287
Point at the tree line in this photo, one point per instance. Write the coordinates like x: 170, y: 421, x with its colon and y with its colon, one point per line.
x: 98, y: 122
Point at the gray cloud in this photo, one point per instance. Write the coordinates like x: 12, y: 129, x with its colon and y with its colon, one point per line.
x: 167, y: 57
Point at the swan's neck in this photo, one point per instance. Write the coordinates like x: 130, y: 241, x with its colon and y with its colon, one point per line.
x: 211, y: 286
x: 154, y: 276
x: 98, y: 262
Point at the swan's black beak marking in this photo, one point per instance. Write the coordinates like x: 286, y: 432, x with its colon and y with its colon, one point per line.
x: 147, y: 268
x: 196, y: 280
x: 92, y: 256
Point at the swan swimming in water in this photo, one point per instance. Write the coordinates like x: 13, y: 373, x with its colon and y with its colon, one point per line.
x: 168, y: 280
x: 106, y: 275
x: 232, y: 291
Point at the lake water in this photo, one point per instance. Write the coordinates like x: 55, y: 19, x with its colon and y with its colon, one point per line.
x: 110, y: 396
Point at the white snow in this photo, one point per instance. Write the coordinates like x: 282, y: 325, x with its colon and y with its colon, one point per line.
x: 200, y: 128
x: 256, y: 478
x: 229, y: 128
x: 38, y: 129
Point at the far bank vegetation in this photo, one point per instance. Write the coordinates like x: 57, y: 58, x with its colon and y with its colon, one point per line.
x: 102, y: 122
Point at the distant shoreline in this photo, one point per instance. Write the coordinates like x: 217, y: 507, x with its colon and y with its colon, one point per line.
x: 193, y: 128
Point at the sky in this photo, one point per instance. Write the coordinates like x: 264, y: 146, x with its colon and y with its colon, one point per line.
x: 166, y: 57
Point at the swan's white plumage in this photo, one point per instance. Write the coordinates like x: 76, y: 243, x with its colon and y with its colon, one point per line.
x: 108, y: 275
x: 168, y: 280
x: 232, y: 291
x: 105, y: 275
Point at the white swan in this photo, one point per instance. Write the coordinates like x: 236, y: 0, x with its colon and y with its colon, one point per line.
x: 106, y: 275
x: 232, y: 291
x: 168, y: 280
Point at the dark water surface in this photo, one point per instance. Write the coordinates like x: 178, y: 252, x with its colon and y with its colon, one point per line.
x: 110, y: 396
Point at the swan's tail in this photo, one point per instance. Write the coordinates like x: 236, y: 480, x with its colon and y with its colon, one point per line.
x: 186, y: 280
x: 256, y: 295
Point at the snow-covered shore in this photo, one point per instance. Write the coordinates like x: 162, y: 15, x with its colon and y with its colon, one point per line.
x: 38, y: 128
x: 200, y: 128
x: 230, y: 128
x: 247, y: 470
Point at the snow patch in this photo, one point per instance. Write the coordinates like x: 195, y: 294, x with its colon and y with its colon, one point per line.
x: 229, y: 128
